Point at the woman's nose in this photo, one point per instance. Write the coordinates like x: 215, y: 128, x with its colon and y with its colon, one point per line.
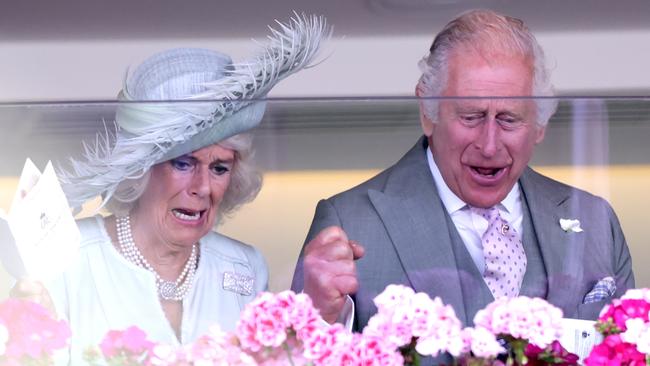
x: 200, y: 185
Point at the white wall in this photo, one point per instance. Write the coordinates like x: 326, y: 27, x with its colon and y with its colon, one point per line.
x: 81, y: 70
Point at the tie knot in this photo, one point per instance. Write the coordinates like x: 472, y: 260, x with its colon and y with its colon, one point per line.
x: 491, y: 214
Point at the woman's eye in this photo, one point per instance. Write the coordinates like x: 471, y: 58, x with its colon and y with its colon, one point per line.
x: 181, y: 164
x: 220, y: 169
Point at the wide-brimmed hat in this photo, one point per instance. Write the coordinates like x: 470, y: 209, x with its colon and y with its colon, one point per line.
x: 193, y: 98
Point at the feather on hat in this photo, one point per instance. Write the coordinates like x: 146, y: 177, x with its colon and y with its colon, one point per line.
x: 220, y: 100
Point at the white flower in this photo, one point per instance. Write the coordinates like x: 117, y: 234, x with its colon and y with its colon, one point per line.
x: 637, y: 293
x: 522, y: 317
x: 483, y: 343
x: 4, y: 338
x: 635, y: 327
x: 572, y: 225
x: 638, y: 332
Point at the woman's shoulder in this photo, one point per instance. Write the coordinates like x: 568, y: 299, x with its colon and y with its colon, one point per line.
x: 225, y: 248
x: 93, y: 231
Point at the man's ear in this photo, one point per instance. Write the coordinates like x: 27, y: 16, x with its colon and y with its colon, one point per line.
x: 426, y: 122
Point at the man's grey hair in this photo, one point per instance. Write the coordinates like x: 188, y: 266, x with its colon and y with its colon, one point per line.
x: 245, y: 182
x: 485, y: 31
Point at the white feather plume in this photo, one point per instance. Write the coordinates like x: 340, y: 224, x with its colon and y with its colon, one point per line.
x: 115, y: 157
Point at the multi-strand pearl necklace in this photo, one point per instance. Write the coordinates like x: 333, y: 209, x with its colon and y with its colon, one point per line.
x: 167, y: 290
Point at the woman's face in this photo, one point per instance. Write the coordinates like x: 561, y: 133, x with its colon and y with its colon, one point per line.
x: 183, y: 195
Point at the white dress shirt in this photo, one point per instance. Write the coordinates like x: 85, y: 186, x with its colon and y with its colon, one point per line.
x: 470, y: 225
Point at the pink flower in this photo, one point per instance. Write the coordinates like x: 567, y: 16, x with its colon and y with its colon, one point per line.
x: 619, y: 311
x: 371, y: 351
x: 263, y: 323
x: 131, y: 343
x: 32, y: 333
x: 273, y: 327
x: 395, y: 327
x: 217, y: 348
x: 404, y: 315
x: 444, y: 333
x: 326, y: 345
x: 303, y: 317
x: 164, y: 355
x: 524, y: 318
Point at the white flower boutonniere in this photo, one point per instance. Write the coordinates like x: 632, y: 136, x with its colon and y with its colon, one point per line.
x: 570, y: 225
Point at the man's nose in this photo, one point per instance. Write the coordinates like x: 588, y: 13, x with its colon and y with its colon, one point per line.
x: 489, y: 139
x: 200, y: 185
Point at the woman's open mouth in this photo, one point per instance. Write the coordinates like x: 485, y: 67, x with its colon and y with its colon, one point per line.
x: 188, y: 215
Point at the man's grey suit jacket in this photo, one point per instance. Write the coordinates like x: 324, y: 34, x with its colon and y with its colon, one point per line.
x: 408, y: 236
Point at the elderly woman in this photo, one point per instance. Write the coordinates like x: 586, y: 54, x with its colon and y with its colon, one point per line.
x: 169, y: 174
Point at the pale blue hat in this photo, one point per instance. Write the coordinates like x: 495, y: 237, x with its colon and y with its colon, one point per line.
x: 181, y: 100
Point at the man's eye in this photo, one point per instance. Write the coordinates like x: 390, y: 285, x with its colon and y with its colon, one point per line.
x: 181, y: 164
x: 472, y: 119
x: 508, y: 121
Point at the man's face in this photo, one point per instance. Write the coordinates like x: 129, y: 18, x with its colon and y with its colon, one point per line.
x: 482, y: 146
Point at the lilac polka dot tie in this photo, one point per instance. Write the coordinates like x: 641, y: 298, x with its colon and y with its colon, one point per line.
x: 505, y: 259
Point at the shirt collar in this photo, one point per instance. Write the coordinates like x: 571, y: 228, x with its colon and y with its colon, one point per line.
x: 453, y: 203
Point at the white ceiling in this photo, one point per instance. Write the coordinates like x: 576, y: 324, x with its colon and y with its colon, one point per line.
x: 122, y: 19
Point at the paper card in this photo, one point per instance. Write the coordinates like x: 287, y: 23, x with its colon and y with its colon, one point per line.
x: 580, y: 336
x: 39, y: 237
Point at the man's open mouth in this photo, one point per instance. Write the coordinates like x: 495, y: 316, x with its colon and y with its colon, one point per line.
x: 488, y: 172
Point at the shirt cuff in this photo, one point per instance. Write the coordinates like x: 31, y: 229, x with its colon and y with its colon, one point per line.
x: 346, y: 317
x: 347, y: 314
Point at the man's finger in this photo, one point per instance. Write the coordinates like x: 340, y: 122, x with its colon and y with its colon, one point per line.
x: 328, y: 236
x: 357, y: 249
x: 346, y: 284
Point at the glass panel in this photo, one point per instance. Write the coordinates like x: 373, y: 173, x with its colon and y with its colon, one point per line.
x: 310, y: 149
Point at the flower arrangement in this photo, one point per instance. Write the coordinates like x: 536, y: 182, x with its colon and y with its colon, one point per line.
x: 624, y: 324
x: 519, y: 331
x: 285, y: 329
x: 530, y: 327
x: 274, y: 329
x: 29, y: 335
x: 416, y: 323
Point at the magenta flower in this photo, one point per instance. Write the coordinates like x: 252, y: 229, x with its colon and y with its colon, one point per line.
x: 554, y: 354
x: 614, y: 352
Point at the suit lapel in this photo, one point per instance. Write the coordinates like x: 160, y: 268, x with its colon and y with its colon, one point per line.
x: 415, y: 220
x: 561, y: 252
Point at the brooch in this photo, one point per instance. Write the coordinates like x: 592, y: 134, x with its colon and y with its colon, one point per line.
x: 239, y: 283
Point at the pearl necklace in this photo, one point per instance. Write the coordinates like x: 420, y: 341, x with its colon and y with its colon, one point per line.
x: 167, y: 290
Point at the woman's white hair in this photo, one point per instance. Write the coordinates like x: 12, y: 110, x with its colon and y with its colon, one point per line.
x: 245, y: 182
x: 484, y: 31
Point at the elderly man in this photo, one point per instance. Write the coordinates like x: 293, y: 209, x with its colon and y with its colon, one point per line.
x: 461, y: 215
